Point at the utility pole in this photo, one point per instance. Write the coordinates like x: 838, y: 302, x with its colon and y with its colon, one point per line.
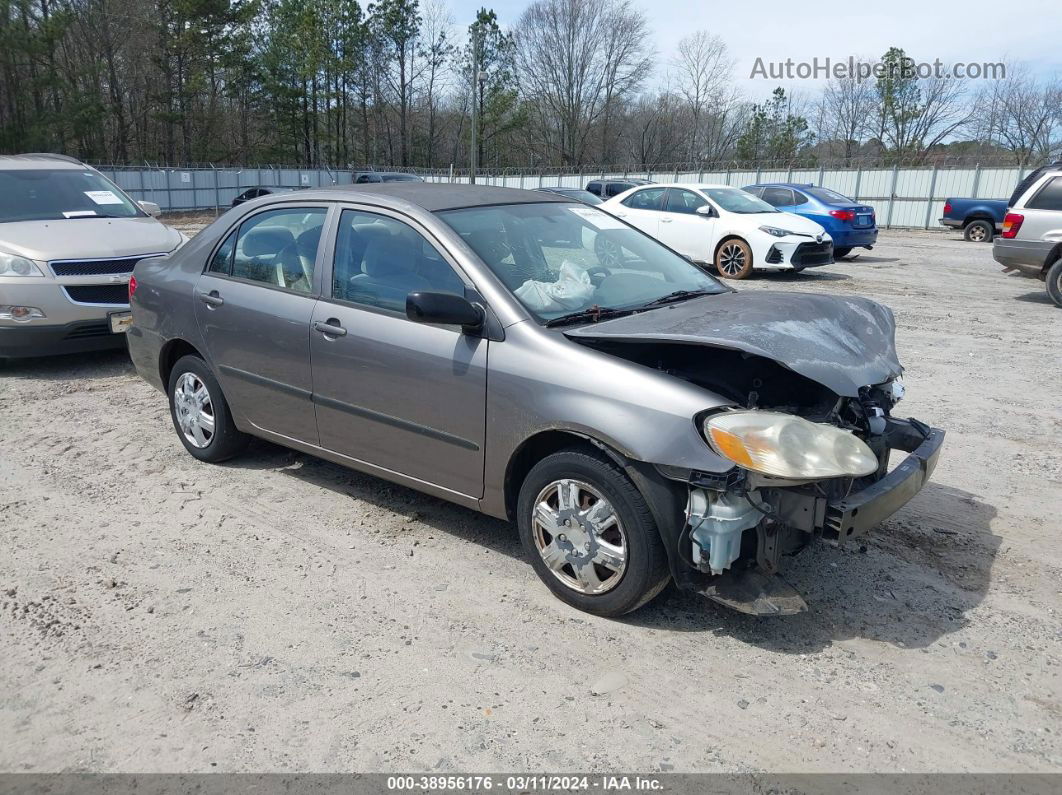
x: 477, y: 77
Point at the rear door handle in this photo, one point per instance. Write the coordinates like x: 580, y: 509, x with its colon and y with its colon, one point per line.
x: 330, y: 327
x: 666, y: 220
x: 211, y: 299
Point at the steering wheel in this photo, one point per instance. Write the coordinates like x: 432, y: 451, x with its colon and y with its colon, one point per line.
x: 600, y: 271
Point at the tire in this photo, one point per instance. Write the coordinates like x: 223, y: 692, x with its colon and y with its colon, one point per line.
x: 190, y: 375
x: 1054, y: 282
x: 629, y: 541
x: 979, y: 232
x: 609, y: 253
x: 733, y: 259
x: 844, y: 251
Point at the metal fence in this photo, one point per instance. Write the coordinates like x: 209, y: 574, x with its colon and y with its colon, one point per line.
x: 911, y: 197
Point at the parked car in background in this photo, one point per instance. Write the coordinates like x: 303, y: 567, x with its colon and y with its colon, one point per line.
x: 69, y: 238
x: 1031, y: 239
x: 258, y: 191
x: 724, y: 227
x: 370, y: 177
x: 850, y: 224
x: 979, y: 219
x: 607, y: 188
x: 638, y: 420
x: 579, y: 195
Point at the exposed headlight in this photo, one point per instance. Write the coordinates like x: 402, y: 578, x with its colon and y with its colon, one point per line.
x: 14, y: 265
x: 787, y: 446
x: 20, y: 314
x: 775, y: 231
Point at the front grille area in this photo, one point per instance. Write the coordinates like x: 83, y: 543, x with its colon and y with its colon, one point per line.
x: 101, y: 329
x: 100, y: 267
x: 813, y: 254
x: 98, y: 293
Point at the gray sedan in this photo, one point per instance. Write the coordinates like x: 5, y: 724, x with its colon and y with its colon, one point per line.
x: 539, y: 360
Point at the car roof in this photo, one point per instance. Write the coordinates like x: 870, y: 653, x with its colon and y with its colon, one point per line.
x: 783, y: 185
x: 434, y: 196
x: 40, y: 160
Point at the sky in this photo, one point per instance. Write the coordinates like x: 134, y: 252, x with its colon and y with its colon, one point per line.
x: 971, y: 31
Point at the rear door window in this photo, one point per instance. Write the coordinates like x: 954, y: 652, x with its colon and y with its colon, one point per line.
x: 279, y: 248
x: 778, y: 197
x: 647, y: 199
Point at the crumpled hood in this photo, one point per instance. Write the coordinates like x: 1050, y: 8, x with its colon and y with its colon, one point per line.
x: 87, y: 238
x: 842, y: 343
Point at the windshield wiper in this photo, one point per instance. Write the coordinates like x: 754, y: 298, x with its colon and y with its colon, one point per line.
x: 678, y: 295
x: 593, y: 314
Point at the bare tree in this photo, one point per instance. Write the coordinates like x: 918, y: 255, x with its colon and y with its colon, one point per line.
x: 576, y: 59
x: 1021, y: 114
x: 843, y: 116
x: 701, y: 74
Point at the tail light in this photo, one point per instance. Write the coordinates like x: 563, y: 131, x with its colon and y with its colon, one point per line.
x: 132, y: 285
x: 843, y: 215
x: 947, y: 208
x: 1011, y: 224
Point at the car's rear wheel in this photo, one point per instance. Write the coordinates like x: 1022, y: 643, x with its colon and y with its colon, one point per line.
x: 590, y: 534
x: 200, y: 414
x: 1054, y: 282
x: 979, y: 232
x: 844, y: 251
x: 733, y: 260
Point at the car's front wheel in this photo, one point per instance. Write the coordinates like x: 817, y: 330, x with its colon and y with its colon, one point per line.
x: 733, y: 260
x: 1054, y: 282
x: 590, y: 534
x: 200, y: 414
x: 979, y: 232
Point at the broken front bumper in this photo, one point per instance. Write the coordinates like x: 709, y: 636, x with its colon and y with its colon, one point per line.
x: 857, y: 513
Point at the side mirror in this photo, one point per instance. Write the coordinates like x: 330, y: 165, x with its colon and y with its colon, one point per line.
x: 151, y: 209
x: 445, y: 309
x: 706, y: 210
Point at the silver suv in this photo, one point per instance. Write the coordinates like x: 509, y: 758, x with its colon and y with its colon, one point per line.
x: 1031, y: 240
x: 69, y: 239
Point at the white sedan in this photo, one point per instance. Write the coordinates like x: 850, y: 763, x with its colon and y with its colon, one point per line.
x: 722, y: 226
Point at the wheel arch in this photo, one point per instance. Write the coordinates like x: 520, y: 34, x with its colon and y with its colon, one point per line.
x: 538, y: 446
x: 1053, y: 256
x: 978, y: 215
x: 727, y: 237
x: 665, y: 498
x: 170, y: 353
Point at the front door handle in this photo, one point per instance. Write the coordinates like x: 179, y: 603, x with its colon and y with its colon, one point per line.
x: 330, y: 327
x: 666, y: 220
x: 212, y: 299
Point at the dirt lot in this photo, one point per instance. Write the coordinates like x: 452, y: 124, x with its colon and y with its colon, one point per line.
x: 281, y: 613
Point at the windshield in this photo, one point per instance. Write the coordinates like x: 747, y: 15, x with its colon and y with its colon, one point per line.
x: 738, y: 201
x: 828, y: 196
x: 560, y: 258
x: 53, y: 194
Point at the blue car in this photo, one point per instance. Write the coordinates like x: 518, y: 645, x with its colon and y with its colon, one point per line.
x: 850, y: 224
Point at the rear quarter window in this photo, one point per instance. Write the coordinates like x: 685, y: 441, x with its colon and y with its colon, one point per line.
x: 1049, y: 197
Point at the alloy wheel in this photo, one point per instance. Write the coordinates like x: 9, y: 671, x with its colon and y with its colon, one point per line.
x: 194, y: 410
x: 732, y: 259
x: 579, y: 536
x: 977, y: 234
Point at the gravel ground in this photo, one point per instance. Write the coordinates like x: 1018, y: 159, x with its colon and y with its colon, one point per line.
x: 280, y: 613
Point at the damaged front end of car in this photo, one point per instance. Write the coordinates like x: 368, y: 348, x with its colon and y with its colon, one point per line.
x: 802, y: 450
